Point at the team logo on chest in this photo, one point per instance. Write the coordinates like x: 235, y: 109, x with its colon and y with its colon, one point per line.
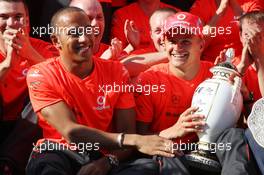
x: 101, y: 103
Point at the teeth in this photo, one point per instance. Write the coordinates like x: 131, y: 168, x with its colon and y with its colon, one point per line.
x: 180, y: 55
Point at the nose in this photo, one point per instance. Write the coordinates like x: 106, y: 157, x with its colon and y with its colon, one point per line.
x: 177, y: 46
x: 85, y: 37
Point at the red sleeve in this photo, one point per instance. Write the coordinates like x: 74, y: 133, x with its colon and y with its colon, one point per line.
x: 40, y: 92
x: 47, y: 50
x: 117, y: 29
x: 253, y: 5
x: 126, y: 98
x: 144, y: 105
x: 203, y: 9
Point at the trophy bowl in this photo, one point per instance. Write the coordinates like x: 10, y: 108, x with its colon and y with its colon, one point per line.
x: 221, y: 103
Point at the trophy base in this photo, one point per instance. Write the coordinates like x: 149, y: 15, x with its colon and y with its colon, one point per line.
x: 203, y: 160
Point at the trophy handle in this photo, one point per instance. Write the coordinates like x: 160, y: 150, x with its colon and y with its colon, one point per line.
x: 236, y: 89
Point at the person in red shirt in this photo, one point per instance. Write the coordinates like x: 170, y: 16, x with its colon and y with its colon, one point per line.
x: 18, y: 52
x: 94, y: 10
x: 138, y: 12
x: 252, y: 67
x: 74, y: 99
x: 220, y: 18
x: 142, y: 59
x: 251, y: 64
x: 168, y: 112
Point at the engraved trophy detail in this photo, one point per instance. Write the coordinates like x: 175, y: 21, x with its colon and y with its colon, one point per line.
x: 220, y: 102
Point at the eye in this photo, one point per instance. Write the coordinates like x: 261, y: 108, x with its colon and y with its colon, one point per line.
x: 73, y: 33
x: 157, y: 31
x: 185, y: 42
x: 18, y: 17
x: 4, y: 17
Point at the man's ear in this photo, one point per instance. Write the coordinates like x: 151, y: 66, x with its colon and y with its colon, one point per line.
x: 202, y: 45
x: 55, y: 41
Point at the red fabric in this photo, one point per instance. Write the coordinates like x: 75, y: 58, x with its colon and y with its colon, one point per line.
x: 13, y: 87
x: 133, y: 12
x: 163, y: 109
x: 184, y: 20
x: 230, y: 38
x: 251, y: 81
x: 118, y: 3
x: 103, y: 47
x: 50, y: 83
x: 109, y: 1
x: 144, y: 50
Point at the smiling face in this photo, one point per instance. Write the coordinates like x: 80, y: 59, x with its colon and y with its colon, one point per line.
x: 13, y: 15
x: 76, y: 41
x: 183, y: 50
x: 156, y: 23
x: 94, y: 11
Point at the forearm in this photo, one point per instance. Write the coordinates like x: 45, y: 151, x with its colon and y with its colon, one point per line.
x: 34, y: 57
x: 5, y: 66
x: 237, y: 10
x: 168, y: 133
x: 83, y: 134
x: 139, y: 63
x: 261, y: 79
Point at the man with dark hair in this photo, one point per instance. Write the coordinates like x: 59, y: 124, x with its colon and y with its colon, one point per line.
x: 70, y: 96
x: 17, y: 53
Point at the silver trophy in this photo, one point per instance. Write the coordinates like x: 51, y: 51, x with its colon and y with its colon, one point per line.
x: 221, y: 103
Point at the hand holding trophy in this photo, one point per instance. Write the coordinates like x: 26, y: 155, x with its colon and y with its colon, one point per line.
x: 221, y: 103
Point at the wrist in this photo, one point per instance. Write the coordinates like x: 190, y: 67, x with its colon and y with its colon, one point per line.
x: 129, y: 48
x: 130, y: 140
x: 167, y: 134
x: 220, y: 12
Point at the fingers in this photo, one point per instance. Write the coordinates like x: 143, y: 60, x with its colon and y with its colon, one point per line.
x: 194, y: 124
x: 163, y: 153
x: 127, y: 27
x: 221, y: 57
x: 116, y: 47
x: 189, y: 111
x: 12, y: 38
x: 133, y: 26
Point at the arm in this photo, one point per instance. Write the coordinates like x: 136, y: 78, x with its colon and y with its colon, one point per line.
x: 139, y: 63
x: 187, y: 123
x: 72, y: 131
x: 8, y: 62
x: 132, y: 36
x: 121, y: 116
x: 21, y: 44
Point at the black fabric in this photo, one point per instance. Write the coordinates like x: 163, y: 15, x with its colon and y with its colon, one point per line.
x: 237, y: 160
x: 51, y: 163
x: 142, y: 166
x: 257, y: 151
x: 17, y: 145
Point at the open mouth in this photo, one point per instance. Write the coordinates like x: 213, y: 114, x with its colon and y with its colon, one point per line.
x: 83, y: 48
x: 180, y: 56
